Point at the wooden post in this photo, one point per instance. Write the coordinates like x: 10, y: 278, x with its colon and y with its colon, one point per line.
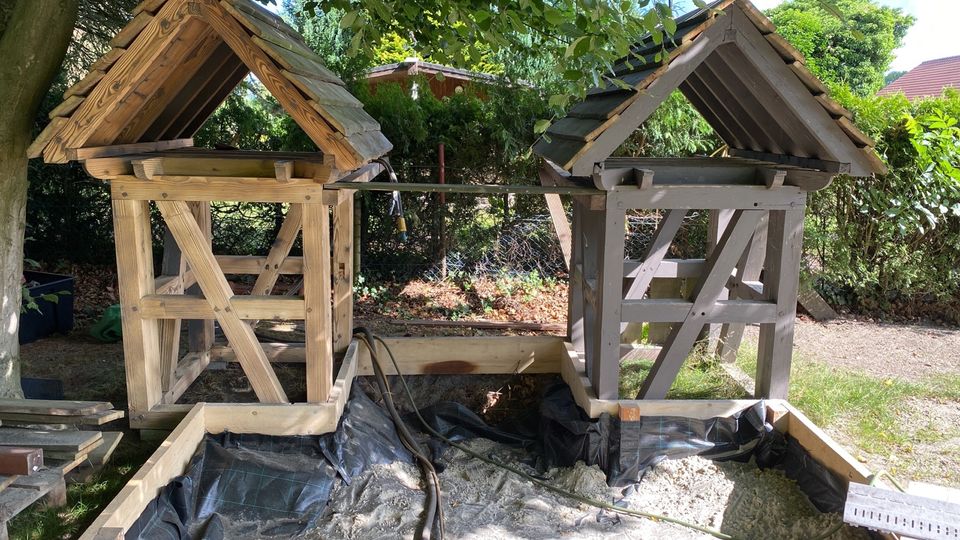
x: 200, y: 333
x: 343, y: 272
x: 781, y: 284
x: 173, y: 264
x: 442, y: 209
x: 141, y: 337
x: 748, y: 269
x: 605, y: 375
x: 575, y: 289
x: 719, y: 220
x: 316, y: 295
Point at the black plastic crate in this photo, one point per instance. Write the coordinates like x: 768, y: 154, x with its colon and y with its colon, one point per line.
x: 52, y: 317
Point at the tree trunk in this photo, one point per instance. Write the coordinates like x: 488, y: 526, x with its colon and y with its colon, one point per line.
x: 33, y: 40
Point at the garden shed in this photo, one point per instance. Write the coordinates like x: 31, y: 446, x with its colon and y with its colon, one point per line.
x: 130, y: 122
x: 784, y: 138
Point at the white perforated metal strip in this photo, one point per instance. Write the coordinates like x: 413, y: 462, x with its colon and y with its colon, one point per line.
x: 901, y: 513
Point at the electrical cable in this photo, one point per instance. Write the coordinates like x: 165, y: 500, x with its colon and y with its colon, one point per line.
x: 546, y: 485
x: 433, y: 505
x: 396, y: 203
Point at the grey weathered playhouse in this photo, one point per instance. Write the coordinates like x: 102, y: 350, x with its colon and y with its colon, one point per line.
x: 785, y: 137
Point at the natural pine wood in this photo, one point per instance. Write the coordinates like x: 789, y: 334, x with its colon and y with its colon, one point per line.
x: 141, y: 343
x: 196, y: 250
x: 342, y: 267
x: 316, y: 295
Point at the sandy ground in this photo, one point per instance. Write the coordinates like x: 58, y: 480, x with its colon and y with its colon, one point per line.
x: 909, y: 351
x: 481, y: 501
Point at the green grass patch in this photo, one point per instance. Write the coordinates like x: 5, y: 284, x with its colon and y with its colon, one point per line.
x: 700, y: 378
x: 867, y: 408
x: 85, y: 500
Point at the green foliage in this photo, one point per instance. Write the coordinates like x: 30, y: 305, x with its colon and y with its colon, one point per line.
x: 674, y: 129
x: 853, y: 49
x: 895, y: 238
x: 581, y: 38
x: 486, y: 133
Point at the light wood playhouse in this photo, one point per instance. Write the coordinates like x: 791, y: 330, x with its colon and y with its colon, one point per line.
x: 130, y: 121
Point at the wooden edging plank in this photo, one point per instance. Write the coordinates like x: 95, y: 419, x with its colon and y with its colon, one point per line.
x: 53, y: 407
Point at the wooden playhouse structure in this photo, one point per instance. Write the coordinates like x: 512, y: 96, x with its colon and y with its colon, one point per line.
x: 130, y: 121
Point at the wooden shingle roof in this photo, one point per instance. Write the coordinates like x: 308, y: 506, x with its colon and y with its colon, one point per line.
x: 747, y: 81
x: 177, y: 60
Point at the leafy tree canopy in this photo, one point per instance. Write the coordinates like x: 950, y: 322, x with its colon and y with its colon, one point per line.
x: 847, y: 42
x: 583, y: 37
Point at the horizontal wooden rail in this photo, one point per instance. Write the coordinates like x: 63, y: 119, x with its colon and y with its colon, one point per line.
x: 479, y: 189
x: 180, y: 306
x: 670, y: 310
x: 247, y: 264
x: 669, y: 268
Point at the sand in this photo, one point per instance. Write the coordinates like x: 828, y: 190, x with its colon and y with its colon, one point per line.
x: 481, y: 501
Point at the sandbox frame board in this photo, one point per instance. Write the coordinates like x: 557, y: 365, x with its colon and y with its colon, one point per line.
x: 542, y: 354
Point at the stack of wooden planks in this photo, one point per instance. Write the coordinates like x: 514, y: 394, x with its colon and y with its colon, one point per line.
x: 28, y: 412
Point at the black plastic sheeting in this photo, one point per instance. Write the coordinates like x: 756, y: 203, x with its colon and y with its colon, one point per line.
x: 255, y: 486
x: 246, y: 486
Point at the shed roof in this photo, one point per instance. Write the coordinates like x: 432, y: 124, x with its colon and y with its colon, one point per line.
x: 747, y: 81
x: 928, y: 79
x: 177, y: 60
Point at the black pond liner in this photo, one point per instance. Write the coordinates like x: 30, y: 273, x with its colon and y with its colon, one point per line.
x: 255, y: 486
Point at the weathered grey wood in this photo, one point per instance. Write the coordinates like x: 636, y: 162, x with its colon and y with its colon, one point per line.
x: 656, y: 251
x: 591, y: 238
x: 661, y: 310
x: 172, y: 264
x: 644, y: 105
x: 606, y: 349
x: 711, y: 197
x: 683, y: 336
x: 748, y: 271
x: 781, y: 284
x: 575, y: 323
x: 669, y: 268
x: 717, y: 113
x: 717, y: 224
x: 835, y: 144
x: 663, y: 288
x: 793, y: 161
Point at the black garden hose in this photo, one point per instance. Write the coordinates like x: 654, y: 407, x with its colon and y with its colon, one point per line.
x: 433, y: 507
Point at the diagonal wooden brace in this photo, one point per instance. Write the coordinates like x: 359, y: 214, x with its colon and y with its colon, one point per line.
x: 656, y: 251
x: 719, y: 265
x: 748, y: 269
x: 195, y: 248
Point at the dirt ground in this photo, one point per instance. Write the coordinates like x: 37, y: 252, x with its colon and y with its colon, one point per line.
x: 908, y: 351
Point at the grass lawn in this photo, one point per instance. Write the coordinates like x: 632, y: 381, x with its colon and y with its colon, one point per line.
x: 904, y: 427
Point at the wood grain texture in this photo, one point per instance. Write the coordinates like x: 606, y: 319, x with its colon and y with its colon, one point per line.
x: 108, y: 94
x: 196, y: 250
x: 141, y: 343
x: 316, y: 294
x: 279, y: 86
x: 342, y: 268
